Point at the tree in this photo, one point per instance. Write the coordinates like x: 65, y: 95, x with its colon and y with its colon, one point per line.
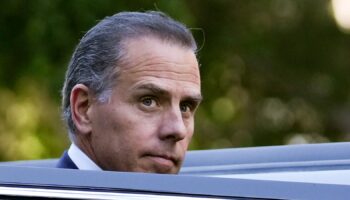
x: 273, y: 72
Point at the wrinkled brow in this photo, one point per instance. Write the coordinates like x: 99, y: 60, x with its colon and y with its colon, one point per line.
x: 162, y: 92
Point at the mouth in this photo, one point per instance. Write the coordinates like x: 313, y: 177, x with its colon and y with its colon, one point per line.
x: 165, y: 161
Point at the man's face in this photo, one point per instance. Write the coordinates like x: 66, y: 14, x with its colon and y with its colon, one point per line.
x: 149, y: 121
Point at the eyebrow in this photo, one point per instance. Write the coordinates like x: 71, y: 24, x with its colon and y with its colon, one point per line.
x: 162, y: 92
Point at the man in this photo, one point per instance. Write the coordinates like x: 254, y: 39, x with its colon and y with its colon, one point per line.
x: 130, y: 94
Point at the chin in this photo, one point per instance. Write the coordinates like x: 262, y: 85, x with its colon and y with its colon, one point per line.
x: 160, y: 170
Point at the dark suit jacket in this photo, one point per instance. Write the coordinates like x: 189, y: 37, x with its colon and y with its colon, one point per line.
x: 66, y: 162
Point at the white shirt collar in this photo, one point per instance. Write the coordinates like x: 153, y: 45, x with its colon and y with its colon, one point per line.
x: 81, y: 160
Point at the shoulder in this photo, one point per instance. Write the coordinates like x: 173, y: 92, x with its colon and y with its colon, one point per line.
x: 66, y: 162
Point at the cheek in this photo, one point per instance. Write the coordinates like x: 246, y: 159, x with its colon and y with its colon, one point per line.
x: 108, y: 128
x: 190, y: 128
x: 188, y: 139
x: 185, y: 142
x: 133, y: 129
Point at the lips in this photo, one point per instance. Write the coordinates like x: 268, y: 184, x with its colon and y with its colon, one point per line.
x: 163, y: 160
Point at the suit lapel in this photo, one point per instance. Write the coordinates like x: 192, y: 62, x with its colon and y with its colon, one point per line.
x: 66, y: 162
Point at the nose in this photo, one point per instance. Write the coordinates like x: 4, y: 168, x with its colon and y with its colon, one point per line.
x: 173, y: 126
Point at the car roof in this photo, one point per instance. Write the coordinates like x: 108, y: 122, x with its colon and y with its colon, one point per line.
x: 293, y: 171
x: 52, y: 178
x: 326, y: 156
x: 246, y: 155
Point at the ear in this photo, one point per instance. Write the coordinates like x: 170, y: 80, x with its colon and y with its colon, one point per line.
x: 80, y: 103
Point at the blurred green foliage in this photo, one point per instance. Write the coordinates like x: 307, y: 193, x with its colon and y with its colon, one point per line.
x: 273, y: 71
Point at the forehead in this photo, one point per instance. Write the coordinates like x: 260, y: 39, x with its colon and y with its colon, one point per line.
x: 150, y: 58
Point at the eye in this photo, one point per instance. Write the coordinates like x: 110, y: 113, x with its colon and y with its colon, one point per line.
x: 148, y: 101
x: 185, y: 107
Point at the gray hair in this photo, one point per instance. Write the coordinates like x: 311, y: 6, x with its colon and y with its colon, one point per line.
x: 97, y: 57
